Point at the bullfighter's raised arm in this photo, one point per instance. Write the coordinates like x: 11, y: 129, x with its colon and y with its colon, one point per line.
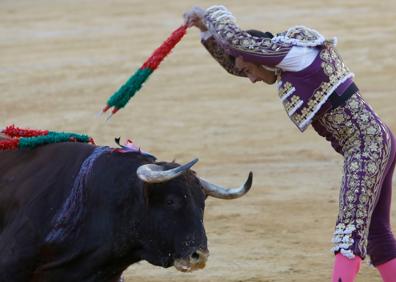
x: 220, y: 52
x: 237, y: 42
x: 217, y: 52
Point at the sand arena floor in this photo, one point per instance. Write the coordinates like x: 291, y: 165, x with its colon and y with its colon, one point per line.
x: 60, y: 61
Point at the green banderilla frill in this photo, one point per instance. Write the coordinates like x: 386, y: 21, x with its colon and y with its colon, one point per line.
x: 52, y: 137
x: 122, y: 96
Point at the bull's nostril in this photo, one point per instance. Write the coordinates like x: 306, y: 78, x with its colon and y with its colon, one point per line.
x: 196, y: 260
x: 195, y: 256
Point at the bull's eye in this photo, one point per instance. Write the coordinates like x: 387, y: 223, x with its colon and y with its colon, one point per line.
x: 170, y: 202
x: 173, y: 202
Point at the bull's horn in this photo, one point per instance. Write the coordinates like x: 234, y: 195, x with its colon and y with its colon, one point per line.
x: 152, y: 173
x: 223, y: 193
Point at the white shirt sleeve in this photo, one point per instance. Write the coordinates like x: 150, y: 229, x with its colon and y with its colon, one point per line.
x: 298, y: 58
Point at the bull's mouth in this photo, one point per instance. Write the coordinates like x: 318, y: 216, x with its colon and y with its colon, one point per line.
x: 194, y: 262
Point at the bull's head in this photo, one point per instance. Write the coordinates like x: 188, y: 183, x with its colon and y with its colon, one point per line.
x: 175, y: 199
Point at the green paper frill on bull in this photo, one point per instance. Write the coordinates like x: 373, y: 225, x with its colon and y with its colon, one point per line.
x: 19, y: 138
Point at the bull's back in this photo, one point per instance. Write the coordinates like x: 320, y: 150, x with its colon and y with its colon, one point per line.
x: 34, y: 183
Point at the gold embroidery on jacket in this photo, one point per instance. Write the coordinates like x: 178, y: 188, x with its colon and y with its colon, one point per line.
x: 301, y: 33
x: 336, y: 70
x: 221, y: 57
x: 293, y: 104
x: 285, y: 89
x: 222, y: 24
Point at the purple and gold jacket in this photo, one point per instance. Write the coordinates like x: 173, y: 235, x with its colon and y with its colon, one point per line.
x: 303, y: 93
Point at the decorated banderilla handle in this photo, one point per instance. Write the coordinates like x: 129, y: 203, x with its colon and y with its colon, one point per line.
x: 122, y: 96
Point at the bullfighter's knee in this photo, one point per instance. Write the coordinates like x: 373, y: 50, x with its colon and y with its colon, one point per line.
x: 381, y: 247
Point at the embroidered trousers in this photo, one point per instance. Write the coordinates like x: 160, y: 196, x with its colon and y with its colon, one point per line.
x: 369, y: 149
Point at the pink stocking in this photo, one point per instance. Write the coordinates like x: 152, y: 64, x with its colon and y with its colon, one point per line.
x: 345, y: 269
x: 388, y: 271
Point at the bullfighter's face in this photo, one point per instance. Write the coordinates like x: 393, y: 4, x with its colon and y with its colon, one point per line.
x: 255, y: 72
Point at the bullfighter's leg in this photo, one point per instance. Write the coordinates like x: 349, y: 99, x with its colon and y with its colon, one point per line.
x: 345, y: 269
x: 381, y: 241
x: 388, y: 270
x: 368, y: 149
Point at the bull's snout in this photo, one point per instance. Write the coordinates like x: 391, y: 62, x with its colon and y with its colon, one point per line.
x: 199, y: 256
x: 197, y: 260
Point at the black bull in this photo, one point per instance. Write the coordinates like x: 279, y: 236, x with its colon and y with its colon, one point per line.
x: 124, y: 208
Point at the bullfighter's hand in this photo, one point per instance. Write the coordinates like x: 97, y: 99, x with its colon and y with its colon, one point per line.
x: 194, y: 18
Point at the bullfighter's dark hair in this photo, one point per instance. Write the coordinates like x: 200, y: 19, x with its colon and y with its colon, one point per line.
x: 258, y: 33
